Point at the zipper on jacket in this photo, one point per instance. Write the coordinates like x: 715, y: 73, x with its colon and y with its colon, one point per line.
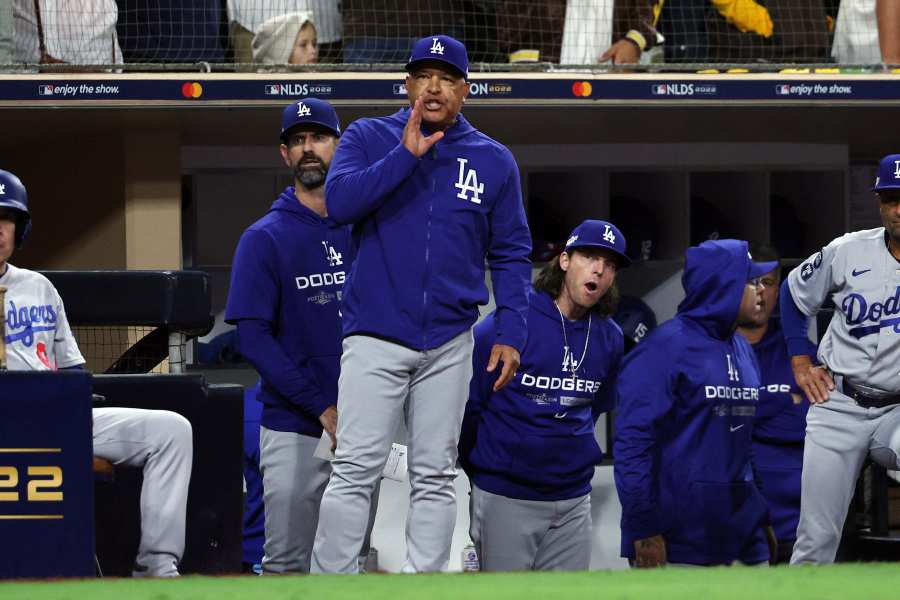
x: 427, y: 257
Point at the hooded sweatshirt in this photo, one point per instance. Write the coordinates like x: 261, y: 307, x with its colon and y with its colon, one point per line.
x: 422, y: 228
x: 687, y: 397
x: 534, y: 438
x: 285, y: 290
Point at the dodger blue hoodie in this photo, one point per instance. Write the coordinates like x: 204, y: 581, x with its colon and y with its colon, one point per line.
x: 687, y: 397
x: 286, y: 282
x: 534, y: 439
x: 422, y: 228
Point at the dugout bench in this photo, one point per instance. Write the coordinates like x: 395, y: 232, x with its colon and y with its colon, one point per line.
x: 129, y: 323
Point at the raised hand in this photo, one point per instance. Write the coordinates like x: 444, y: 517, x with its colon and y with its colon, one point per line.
x: 417, y: 143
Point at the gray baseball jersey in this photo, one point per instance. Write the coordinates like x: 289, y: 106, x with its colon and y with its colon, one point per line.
x: 38, y: 337
x: 863, y: 338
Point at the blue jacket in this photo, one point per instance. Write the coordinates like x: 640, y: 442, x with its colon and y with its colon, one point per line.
x: 423, y: 228
x: 286, y: 282
x: 687, y: 397
x: 534, y: 439
x: 778, y: 431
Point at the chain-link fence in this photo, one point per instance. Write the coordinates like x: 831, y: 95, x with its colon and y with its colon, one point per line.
x: 123, y: 349
x: 499, y: 34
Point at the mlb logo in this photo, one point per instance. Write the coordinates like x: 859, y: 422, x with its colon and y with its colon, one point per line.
x: 399, y: 89
x: 783, y: 89
x: 271, y: 89
x: 659, y: 89
x: 45, y: 90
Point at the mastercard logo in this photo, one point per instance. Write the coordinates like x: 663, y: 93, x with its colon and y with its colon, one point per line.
x: 191, y: 90
x: 582, y: 89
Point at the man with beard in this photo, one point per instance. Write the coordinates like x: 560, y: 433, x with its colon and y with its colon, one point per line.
x: 855, y: 393
x: 780, y: 421
x: 529, y: 449
x: 286, y: 283
x: 687, y: 397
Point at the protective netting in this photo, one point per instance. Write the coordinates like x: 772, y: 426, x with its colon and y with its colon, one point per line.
x: 123, y: 349
x: 229, y: 34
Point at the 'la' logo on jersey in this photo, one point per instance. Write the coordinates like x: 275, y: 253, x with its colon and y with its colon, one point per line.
x: 569, y: 363
x: 303, y: 110
x: 334, y: 258
x: 609, y: 236
x: 732, y: 372
x: 437, y: 47
x: 468, y: 183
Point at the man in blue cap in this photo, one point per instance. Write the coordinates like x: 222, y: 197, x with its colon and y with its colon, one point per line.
x: 855, y: 391
x: 529, y: 449
x: 286, y: 281
x: 687, y: 397
x: 430, y: 199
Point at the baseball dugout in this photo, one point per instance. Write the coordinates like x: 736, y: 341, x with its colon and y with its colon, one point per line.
x: 132, y: 327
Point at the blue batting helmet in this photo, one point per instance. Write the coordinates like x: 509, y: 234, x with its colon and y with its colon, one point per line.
x: 13, y: 196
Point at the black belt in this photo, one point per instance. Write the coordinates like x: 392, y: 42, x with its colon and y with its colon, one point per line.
x: 867, y: 400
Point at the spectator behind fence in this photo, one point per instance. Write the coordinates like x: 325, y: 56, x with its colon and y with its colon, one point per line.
x: 246, y: 17
x: 739, y: 31
x: 178, y: 31
x: 575, y: 31
x: 287, y: 39
x: 867, y: 32
x: 74, y: 31
x: 385, y: 34
x: 7, y: 41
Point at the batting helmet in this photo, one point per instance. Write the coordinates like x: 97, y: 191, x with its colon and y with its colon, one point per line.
x: 635, y: 318
x: 13, y: 196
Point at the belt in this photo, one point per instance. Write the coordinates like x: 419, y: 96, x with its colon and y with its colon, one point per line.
x: 867, y: 400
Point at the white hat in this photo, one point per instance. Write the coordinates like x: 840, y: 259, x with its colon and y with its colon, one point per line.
x: 273, y: 44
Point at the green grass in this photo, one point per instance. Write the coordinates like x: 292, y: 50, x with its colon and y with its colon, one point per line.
x: 840, y: 582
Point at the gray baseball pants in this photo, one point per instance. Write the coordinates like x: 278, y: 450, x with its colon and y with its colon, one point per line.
x: 380, y: 383
x: 161, y: 443
x: 293, y: 483
x: 839, y: 435
x: 530, y: 535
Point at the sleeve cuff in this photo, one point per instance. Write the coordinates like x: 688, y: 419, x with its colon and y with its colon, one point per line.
x: 642, y: 527
x: 799, y: 346
x: 318, y: 404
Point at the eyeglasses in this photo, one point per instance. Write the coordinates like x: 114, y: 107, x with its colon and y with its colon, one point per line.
x: 756, y: 282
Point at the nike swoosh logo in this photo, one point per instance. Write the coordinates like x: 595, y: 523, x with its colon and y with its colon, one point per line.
x: 856, y: 273
x: 561, y: 416
x: 733, y: 429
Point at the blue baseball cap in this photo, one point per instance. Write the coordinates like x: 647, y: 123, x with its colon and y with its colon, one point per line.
x: 758, y: 269
x: 888, y: 173
x: 440, y: 48
x: 309, y: 111
x: 599, y: 234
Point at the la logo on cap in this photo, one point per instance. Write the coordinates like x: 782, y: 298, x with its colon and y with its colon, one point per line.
x: 437, y: 47
x: 571, y: 240
x: 303, y: 110
x: 897, y: 169
x: 3, y: 189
